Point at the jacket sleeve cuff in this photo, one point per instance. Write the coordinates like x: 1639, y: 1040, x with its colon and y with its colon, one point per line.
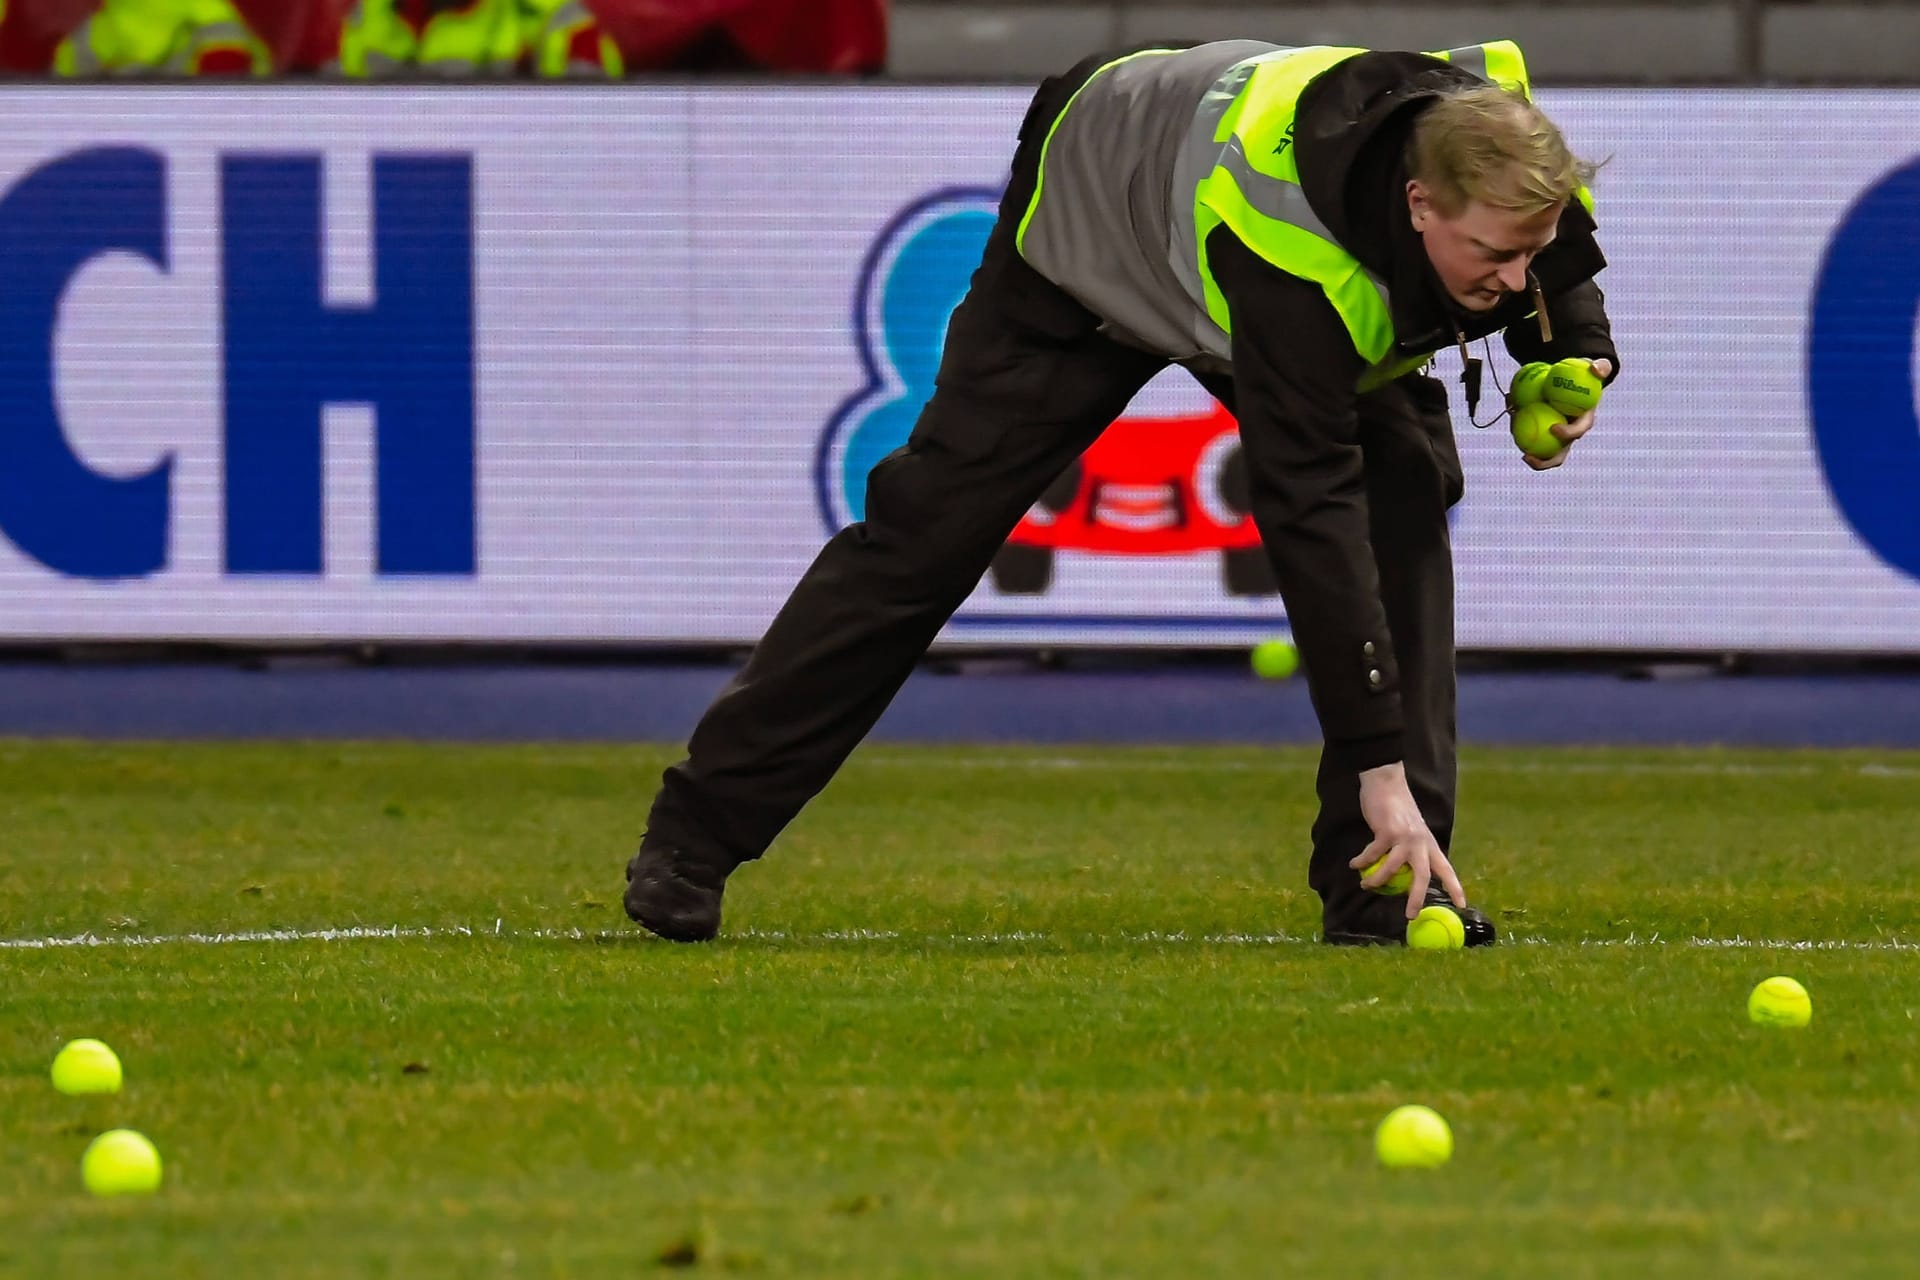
x: 1357, y: 755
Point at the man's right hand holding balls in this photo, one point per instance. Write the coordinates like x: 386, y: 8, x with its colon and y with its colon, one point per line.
x: 1553, y: 405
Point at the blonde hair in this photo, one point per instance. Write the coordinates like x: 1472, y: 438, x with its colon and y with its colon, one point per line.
x: 1491, y: 145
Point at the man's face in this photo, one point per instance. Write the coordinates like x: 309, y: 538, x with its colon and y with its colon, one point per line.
x: 1481, y: 254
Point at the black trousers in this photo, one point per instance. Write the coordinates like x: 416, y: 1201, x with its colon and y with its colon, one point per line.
x: 1026, y: 384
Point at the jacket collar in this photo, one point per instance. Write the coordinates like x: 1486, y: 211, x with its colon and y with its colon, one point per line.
x: 1351, y: 132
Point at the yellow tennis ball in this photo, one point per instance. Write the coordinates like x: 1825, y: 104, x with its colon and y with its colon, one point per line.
x: 1436, y: 928
x: 1275, y: 659
x: 1529, y: 385
x: 1573, y: 387
x: 1413, y: 1137
x: 121, y: 1162
x: 1399, y: 882
x: 1780, y: 1002
x: 86, y: 1066
x: 1533, y: 430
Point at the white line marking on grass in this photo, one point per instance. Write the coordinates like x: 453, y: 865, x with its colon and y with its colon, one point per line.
x: 1730, y: 768
x: 207, y: 939
x: 354, y: 933
x: 1752, y: 944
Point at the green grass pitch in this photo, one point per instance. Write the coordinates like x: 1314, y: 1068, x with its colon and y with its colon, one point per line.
x: 994, y: 1012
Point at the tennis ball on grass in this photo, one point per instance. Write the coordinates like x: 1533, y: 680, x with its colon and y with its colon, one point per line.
x: 1573, y: 387
x: 1780, y: 1002
x: 1275, y: 659
x: 120, y: 1162
x: 1413, y: 1137
x: 1533, y: 430
x: 1436, y: 928
x: 84, y: 1067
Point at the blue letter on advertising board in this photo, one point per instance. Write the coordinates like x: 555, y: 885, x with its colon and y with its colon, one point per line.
x: 1860, y: 367
x: 409, y: 354
x: 55, y: 507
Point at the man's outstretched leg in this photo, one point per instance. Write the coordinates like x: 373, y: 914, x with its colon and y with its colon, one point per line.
x: 1025, y: 385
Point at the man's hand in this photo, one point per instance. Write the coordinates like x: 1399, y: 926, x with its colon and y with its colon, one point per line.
x: 1602, y: 367
x: 1400, y: 834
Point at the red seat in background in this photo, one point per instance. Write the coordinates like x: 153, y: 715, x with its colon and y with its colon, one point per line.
x: 846, y: 37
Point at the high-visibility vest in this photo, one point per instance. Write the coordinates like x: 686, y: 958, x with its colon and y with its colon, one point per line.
x: 220, y: 42
x: 1254, y: 190
x: 484, y: 36
x: 123, y: 36
x: 564, y: 39
x: 171, y: 37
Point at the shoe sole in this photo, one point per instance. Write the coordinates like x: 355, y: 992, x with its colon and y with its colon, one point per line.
x: 1347, y: 938
x: 674, y: 932
x: 695, y: 917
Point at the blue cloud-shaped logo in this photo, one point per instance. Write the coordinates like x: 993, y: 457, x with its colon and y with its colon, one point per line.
x: 913, y: 277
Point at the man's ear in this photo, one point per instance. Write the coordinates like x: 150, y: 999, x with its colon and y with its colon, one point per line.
x: 1419, y: 204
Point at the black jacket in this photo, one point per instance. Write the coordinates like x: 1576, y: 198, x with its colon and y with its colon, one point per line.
x: 1295, y: 371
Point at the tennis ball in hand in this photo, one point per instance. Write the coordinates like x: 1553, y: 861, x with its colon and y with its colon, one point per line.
x: 1573, y: 387
x: 1436, y: 928
x: 1529, y: 385
x: 1780, y: 1002
x: 1533, y: 430
x: 1275, y: 659
x: 1413, y: 1137
x: 121, y: 1162
x: 84, y: 1067
x: 1399, y: 882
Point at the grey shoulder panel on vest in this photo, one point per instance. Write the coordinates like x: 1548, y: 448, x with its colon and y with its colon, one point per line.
x: 1102, y: 227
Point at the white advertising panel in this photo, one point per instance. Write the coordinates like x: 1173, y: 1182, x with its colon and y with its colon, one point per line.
x: 607, y: 364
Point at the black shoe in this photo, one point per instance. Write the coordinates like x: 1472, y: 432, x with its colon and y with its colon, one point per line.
x: 1473, y: 921
x: 1378, y: 920
x: 673, y: 895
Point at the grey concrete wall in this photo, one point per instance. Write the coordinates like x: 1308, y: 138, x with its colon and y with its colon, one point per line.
x: 995, y: 41
x: 1584, y: 41
x: 1841, y: 43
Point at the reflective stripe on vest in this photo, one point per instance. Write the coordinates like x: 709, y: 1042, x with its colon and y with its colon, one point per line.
x: 1497, y: 62
x: 1239, y: 164
x: 130, y: 36
x: 170, y: 36
x: 1046, y: 144
x: 554, y: 39
x: 75, y: 57
x: 375, y: 40
x: 216, y: 27
x: 484, y: 38
x: 1500, y: 62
